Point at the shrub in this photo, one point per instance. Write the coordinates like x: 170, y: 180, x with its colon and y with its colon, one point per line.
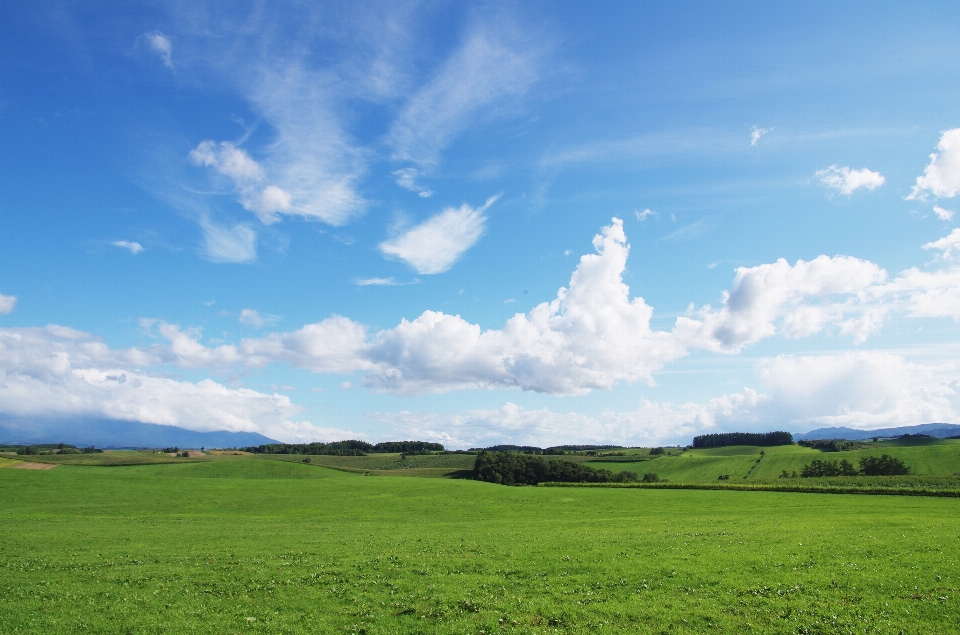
x: 884, y: 465
x: 28, y: 450
x: 650, y: 477
x: 656, y: 451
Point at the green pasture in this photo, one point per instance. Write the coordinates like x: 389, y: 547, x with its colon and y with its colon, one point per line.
x: 937, y: 457
x: 252, y: 545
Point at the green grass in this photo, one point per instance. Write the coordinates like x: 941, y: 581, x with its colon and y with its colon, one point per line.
x: 935, y: 457
x: 247, y: 545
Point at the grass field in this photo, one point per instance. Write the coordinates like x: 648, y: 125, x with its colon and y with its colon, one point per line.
x: 251, y: 545
x: 939, y: 457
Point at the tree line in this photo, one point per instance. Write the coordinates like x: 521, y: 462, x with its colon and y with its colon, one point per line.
x: 514, y: 468
x: 884, y: 465
x: 742, y: 438
x: 557, y: 450
x: 351, y: 447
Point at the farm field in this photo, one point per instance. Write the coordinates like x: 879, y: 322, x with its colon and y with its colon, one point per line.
x: 940, y: 457
x: 252, y: 545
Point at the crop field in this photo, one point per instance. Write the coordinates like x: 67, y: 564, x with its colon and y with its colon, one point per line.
x: 252, y: 545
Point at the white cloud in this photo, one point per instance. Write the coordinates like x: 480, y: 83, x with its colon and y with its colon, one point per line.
x: 486, y: 68
x: 249, y: 317
x: 846, y: 181
x: 863, y: 390
x: 185, y: 348
x: 943, y: 214
x: 133, y: 247
x: 756, y: 133
x: 161, y: 45
x: 653, y: 423
x: 942, y: 176
x: 236, y: 244
x: 948, y: 245
x: 436, y: 244
x: 383, y: 282
x: 246, y: 175
x: 7, y: 302
x: 645, y: 214
x: 591, y: 336
x: 59, y: 372
x: 796, y: 301
x: 406, y: 178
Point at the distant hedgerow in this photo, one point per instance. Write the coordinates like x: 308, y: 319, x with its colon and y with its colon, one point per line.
x: 742, y: 438
x: 511, y: 468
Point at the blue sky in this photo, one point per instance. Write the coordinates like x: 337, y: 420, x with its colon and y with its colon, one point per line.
x: 506, y: 222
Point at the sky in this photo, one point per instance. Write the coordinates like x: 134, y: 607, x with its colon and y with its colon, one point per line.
x: 479, y: 223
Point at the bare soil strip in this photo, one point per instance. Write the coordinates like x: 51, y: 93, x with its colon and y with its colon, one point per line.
x: 28, y: 465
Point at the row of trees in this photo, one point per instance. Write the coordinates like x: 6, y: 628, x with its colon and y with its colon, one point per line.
x: 742, y: 438
x: 513, y: 468
x: 33, y: 450
x: 351, y: 447
x: 884, y: 465
x: 557, y: 450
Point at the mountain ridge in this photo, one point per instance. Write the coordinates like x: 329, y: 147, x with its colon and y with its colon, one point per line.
x: 113, y: 434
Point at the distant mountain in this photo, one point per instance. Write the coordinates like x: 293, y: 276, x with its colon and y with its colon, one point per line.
x: 106, y: 433
x: 941, y: 430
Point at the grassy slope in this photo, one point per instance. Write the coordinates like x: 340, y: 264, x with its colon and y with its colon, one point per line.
x: 933, y: 457
x: 203, y: 547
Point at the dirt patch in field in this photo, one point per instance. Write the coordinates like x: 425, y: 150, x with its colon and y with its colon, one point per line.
x: 28, y: 465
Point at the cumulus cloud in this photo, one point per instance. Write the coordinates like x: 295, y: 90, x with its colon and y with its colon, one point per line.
x: 941, y: 177
x: 756, y: 133
x: 863, y: 390
x: 237, y: 244
x: 7, y: 302
x: 846, y: 181
x: 60, y: 372
x: 593, y: 334
x: 949, y: 246
x: 943, y: 214
x: 436, y: 244
x: 652, y: 423
x: 161, y: 45
x: 796, y: 301
x: 133, y: 247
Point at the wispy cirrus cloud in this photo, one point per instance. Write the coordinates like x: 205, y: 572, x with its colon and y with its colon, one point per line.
x: 489, y: 66
x: 436, y: 244
x: 160, y: 44
x: 237, y: 244
x: 131, y: 246
x: 756, y: 133
x: 846, y: 180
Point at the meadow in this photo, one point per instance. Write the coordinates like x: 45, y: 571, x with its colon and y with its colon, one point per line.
x: 249, y: 544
